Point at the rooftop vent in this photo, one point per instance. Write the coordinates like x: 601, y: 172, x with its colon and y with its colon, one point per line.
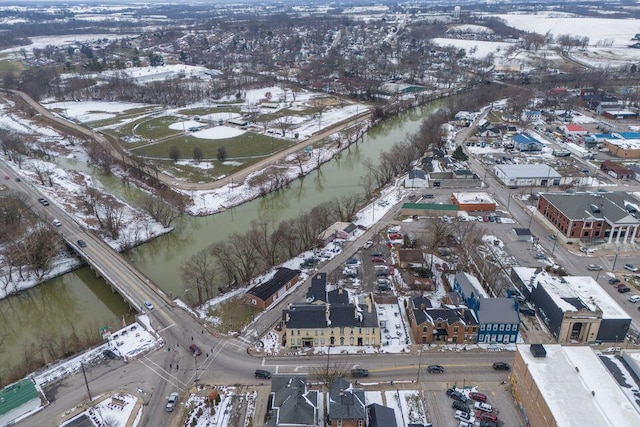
x: 594, y: 208
x: 538, y: 350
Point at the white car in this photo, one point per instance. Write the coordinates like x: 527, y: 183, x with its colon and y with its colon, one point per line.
x: 172, y: 401
x: 148, y: 305
x: 368, y: 244
x: 586, y: 250
x: 630, y: 267
x: 594, y: 267
x: 634, y: 298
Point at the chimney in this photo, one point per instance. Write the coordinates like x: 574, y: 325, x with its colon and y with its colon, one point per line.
x: 327, y: 313
x: 422, y: 307
x: 369, y: 301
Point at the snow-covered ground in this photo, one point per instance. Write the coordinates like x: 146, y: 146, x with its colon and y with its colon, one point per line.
x: 127, y: 342
x: 90, y: 111
x: 200, y: 413
x: 476, y: 48
x: 113, y: 410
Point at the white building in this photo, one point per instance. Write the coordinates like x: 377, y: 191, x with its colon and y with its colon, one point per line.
x: 416, y: 179
x: 569, y: 387
x: 537, y: 175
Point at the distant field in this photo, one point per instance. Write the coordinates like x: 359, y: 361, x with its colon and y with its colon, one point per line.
x: 7, y: 66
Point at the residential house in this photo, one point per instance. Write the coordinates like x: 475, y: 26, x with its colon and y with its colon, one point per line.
x: 498, y: 319
x: 330, y: 318
x: 410, y: 258
x: 532, y: 116
x: 445, y: 325
x: 416, y: 179
x: 522, y: 142
x: 381, y: 416
x: 592, y: 215
x: 573, y: 130
x: 346, y: 405
x: 264, y: 294
x: 291, y: 403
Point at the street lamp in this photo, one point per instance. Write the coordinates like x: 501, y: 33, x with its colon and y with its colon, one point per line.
x: 195, y: 361
x: 555, y: 242
x: 613, y: 267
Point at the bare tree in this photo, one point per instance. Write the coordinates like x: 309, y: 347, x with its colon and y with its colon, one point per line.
x: 199, y: 272
x: 197, y: 154
x: 222, y: 153
x: 284, y: 124
x: 174, y: 153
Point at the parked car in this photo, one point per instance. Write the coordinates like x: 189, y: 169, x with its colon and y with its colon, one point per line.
x: 613, y: 281
x: 460, y: 406
x: 428, y: 196
x: 359, y: 373
x: 262, y: 374
x: 110, y: 354
x: 634, y: 298
x: 377, y: 260
x: 464, y: 416
x: 456, y: 395
x: 376, y: 253
x: 483, y: 406
x: 435, y: 369
x: 382, y: 273
x: 499, y: 220
x: 367, y: 244
x: 195, y: 350
x: 501, y: 366
x: 527, y: 311
x: 478, y: 397
x: 484, y: 423
x: 172, y: 401
x: 594, y: 267
x: 624, y: 289
x: 631, y: 267
x: 487, y: 416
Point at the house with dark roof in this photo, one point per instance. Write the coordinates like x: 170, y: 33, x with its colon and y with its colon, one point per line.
x: 291, y: 403
x: 416, y: 179
x: 330, y: 318
x: 264, y: 294
x: 381, y: 416
x: 498, y: 319
x: 616, y: 170
x: 445, y: 325
x: 610, y: 216
x: 346, y: 405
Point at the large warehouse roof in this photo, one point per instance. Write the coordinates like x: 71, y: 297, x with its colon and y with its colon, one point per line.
x: 578, y: 389
x: 539, y: 171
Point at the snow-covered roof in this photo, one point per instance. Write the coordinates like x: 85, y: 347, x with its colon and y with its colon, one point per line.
x: 474, y: 197
x: 528, y: 171
x: 627, y: 144
x: 578, y: 388
x: 587, y: 290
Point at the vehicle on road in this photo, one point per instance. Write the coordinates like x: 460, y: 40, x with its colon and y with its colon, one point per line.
x: 18, y: 180
x: 624, y: 290
x: 359, y: 373
x: 501, y: 366
x: 195, y: 350
x: 6, y: 177
x: 435, y: 369
x: 148, y: 305
x: 43, y: 202
x: 527, y: 311
x: 586, y: 250
x: 172, y: 401
x: 630, y: 267
x: 540, y: 256
x: 634, y: 298
x: 262, y: 374
x: 594, y: 267
x: 82, y: 243
x: 367, y: 244
x: 57, y: 223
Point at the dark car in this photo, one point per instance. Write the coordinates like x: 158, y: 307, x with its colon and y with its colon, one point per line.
x: 359, y: 373
x: 262, y: 374
x: 110, y: 354
x: 195, y: 350
x: 456, y: 395
x: 501, y: 366
x: 613, y: 281
x: 428, y: 196
x: 484, y: 423
x: 376, y: 253
x: 435, y: 369
x: 487, y: 416
x: 82, y: 243
x: 377, y: 260
x: 460, y: 406
x: 43, y: 202
x: 624, y: 289
x: 382, y: 273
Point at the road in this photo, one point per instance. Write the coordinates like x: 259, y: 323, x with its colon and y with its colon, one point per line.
x: 119, y: 153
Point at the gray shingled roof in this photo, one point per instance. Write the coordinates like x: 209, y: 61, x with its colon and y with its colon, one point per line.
x: 498, y: 310
x: 381, y: 416
x: 282, y: 277
x: 318, y: 289
x: 305, y: 316
x: 292, y: 404
x: 450, y: 315
x: 345, y: 402
x: 577, y: 206
x: 467, y: 287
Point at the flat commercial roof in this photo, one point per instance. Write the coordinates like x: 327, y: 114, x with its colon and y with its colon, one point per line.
x: 578, y: 389
x: 17, y: 394
x: 473, y: 198
x: 587, y: 290
x: 528, y: 171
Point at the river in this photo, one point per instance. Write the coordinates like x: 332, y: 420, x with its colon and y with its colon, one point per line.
x: 80, y: 303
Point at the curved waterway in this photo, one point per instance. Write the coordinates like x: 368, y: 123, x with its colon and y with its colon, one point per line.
x: 79, y: 303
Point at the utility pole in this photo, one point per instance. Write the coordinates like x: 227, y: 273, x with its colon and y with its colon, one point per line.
x: 84, y: 374
x: 613, y: 267
x: 419, y: 365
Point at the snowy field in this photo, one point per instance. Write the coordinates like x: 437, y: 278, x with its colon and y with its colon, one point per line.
x: 475, y: 48
x: 65, y: 40
x: 90, y: 111
x: 117, y: 410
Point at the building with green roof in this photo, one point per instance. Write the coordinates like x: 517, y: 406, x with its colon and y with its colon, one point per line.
x: 429, y: 209
x: 18, y: 399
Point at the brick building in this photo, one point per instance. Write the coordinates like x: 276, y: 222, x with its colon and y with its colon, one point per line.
x: 592, y: 215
